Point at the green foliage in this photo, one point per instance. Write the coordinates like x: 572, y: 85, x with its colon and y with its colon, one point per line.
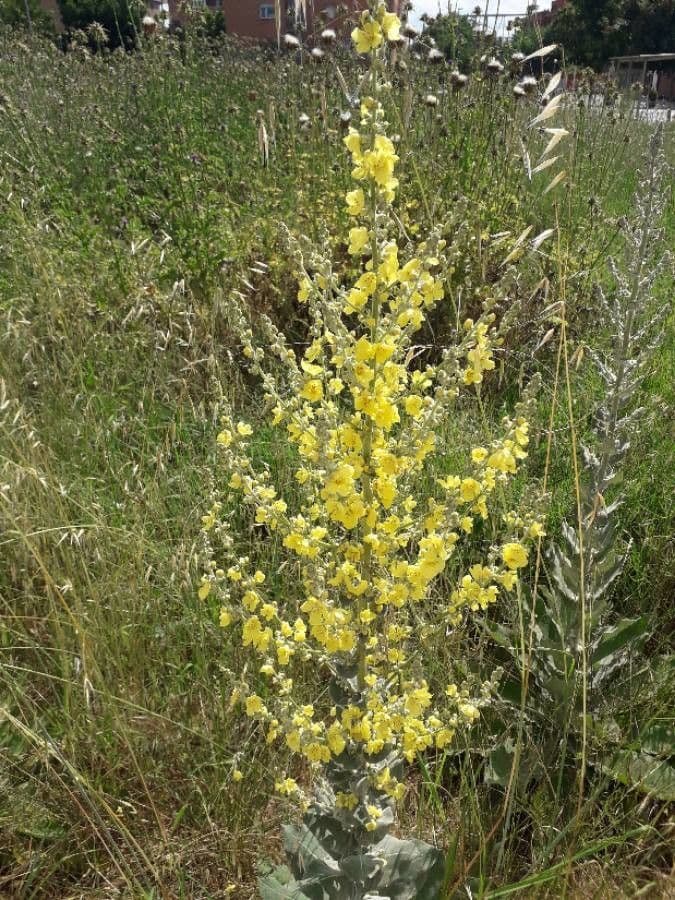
x: 593, y: 30
x: 455, y: 37
x: 26, y: 14
x: 121, y: 19
x: 326, y: 864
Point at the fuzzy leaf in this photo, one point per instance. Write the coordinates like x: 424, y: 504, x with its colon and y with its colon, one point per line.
x: 412, y: 869
x: 620, y: 636
x: 645, y: 772
x: 659, y: 738
x: 305, y: 854
x: 280, y: 885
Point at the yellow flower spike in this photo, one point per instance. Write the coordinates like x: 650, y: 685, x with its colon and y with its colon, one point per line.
x: 364, y: 529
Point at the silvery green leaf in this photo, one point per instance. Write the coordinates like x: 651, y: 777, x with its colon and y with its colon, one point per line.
x: 305, y: 854
x: 280, y: 885
x: 645, y: 772
x: 659, y: 738
x: 412, y: 870
x: 361, y: 867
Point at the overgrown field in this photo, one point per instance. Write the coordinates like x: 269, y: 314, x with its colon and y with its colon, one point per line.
x: 149, y: 200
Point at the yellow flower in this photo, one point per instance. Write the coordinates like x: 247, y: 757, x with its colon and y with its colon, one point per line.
x: 391, y: 25
x: 356, y: 202
x: 469, y: 490
x: 244, y: 429
x: 225, y: 618
x: 341, y: 482
x: 536, y: 530
x: 254, y: 705
x: 413, y: 405
x: 237, y: 775
x: 335, y: 739
x: 358, y: 239
x: 514, y: 555
x: 368, y: 37
x: 304, y: 290
x: 287, y: 787
x: 353, y: 143
x: 312, y: 391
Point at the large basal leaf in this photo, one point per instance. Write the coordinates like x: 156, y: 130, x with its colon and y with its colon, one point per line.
x: 659, y: 737
x: 608, y: 653
x: 361, y: 868
x: 280, y: 885
x: 648, y: 774
x: 305, y: 854
x: 412, y: 870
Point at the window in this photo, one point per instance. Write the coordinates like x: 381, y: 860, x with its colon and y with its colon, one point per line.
x: 266, y: 10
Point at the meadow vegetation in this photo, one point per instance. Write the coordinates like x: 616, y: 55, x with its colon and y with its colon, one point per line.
x: 165, y: 215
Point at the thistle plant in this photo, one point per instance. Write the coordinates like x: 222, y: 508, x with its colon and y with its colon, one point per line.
x: 364, y: 539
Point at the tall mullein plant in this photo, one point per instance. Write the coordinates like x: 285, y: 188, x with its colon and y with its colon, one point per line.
x: 363, y: 538
x: 587, y: 561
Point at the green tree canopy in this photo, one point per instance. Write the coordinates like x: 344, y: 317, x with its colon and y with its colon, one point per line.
x: 120, y: 18
x: 591, y: 31
x: 27, y: 14
x: 455, y: 37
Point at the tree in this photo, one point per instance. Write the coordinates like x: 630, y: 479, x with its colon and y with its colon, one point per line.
x: 120, y: 18
x: 591, y: 31
x: 455, y: 37
x: 27, y: 14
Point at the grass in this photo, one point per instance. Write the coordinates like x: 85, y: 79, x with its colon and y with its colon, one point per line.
x: 133, y: 204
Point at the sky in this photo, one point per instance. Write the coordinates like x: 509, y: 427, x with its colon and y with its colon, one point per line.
x: 505, y: 6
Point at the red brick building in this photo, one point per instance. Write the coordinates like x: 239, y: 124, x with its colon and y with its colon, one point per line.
x: 544, y: 18
x: 256, y: 18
